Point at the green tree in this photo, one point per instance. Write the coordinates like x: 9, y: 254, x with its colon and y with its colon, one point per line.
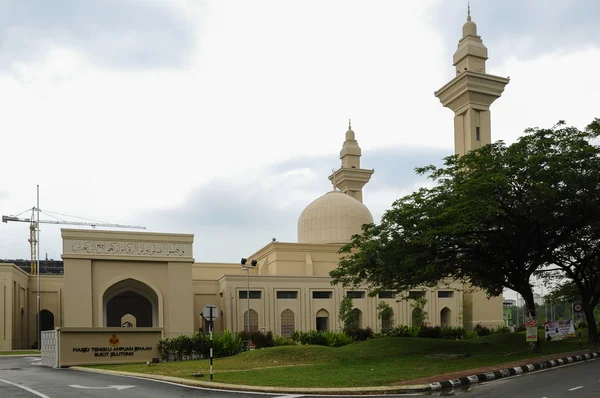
x: 346, y: 313
x: 494, y: 217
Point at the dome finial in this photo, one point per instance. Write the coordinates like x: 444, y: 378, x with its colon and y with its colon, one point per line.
x: 349, y: 125
x: 468, y: 10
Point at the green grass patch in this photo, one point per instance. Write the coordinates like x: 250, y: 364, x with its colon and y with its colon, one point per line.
x: 377, y: 362
x: 31, y: 352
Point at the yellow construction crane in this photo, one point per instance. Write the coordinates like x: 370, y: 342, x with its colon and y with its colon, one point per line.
x: 33, y: 224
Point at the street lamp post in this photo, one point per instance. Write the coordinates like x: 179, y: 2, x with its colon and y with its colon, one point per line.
x: 247, y: 269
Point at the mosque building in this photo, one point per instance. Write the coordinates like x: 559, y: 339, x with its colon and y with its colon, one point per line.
x: 139, y: 279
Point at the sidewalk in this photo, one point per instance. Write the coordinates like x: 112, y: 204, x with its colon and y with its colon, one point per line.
x: 425, y: 384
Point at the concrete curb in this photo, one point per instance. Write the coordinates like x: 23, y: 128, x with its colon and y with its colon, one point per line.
x: 503, y: 373
x: 20, y: 355
x: 407, y: 389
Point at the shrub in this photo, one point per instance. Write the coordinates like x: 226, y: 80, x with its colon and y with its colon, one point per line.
x: 280, y: 340
x: 482, y: 330
x: 260, y: 339
x: 359, y: 334
x: 337, y: 339
x: 501, y: 329
x: 197, y: 346
x: 331, y: 339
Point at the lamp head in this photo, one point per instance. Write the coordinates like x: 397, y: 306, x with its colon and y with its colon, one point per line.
x: 243, y: 262
x: 254, y: 262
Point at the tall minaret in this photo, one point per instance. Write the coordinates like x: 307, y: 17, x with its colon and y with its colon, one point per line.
x: 471, y: 92
x: 350, y: 178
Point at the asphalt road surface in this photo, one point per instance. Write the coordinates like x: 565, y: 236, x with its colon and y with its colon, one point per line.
x: 23, y: 377
x: 581, y: 379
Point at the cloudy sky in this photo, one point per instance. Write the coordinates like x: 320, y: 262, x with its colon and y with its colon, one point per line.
x: 224, y: 118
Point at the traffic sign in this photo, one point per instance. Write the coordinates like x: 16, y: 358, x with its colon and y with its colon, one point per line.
x: 210, y: 312
x: 577, y: 307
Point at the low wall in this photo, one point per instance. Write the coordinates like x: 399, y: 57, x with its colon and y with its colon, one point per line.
x: 92, y: 346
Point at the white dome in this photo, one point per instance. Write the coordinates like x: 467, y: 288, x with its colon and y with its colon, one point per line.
x: 332, y: 218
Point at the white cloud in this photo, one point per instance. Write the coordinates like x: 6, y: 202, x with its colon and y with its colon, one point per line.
x: 265, y: 83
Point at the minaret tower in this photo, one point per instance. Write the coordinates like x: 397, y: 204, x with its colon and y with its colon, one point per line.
x: 350, y: 178
x: 471, y: 92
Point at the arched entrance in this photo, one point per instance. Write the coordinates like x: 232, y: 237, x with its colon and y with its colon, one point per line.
x: 445, y: 317
x: 130, y: 297
x: 417, y: 317
x: 46, y: 320
x: 357, y: 318
x: 322, y: 320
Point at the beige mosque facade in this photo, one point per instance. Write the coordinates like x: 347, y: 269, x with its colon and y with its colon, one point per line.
x: 137, y: 279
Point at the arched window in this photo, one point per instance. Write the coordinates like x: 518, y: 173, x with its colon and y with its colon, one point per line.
x: 386, y: 319
x: 287, y: 323
x: 417, y: 317
x: 253, y: 321
x: 357, y: 321
x: 322, y: 320
x: 446, y: 317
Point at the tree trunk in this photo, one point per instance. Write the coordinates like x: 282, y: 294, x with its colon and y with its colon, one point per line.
x: 591, y: 322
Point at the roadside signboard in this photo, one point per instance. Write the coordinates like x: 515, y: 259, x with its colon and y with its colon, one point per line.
x: 559, y: 330
x: 210, y: 312
x: 577, y: 307
x: 530, y: 326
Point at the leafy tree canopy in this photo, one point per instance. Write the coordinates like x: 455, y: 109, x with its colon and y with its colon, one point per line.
x: 493, y: 217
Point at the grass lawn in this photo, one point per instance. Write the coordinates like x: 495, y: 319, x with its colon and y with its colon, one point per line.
x: 31, y: 352
x: 377, y: 362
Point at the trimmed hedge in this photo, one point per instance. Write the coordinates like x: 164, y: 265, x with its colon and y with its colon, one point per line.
x: 197, y: 346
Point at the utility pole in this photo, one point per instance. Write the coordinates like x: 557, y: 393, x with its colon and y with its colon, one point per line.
x: 38, y: 323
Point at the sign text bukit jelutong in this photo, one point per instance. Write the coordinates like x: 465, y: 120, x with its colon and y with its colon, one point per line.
x: 112, y: 351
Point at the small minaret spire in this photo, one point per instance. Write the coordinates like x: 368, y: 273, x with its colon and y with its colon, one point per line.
x: 350, y: 178
x: 468, y: 10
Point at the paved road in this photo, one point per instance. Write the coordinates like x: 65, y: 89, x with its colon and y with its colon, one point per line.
x: 23, y: 377
x: 581, y: 379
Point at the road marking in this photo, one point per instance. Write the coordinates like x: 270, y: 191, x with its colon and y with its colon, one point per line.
x: 39, y: 394
x: 575, y: 388
x: 290, y: 396
x: 101, y: 388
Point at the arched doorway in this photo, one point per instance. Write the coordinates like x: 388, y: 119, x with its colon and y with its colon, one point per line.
x: 130, y: 297
x: 387, y: 319
x: 357, y: 320
x: 417, y: 317
x: 322, y: 320
x: 46, y: 320
x: 446, y: 317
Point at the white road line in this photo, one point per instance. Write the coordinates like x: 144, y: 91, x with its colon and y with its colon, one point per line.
x: 290, y: 396
x: 575, y: 388
x: 39, y: 394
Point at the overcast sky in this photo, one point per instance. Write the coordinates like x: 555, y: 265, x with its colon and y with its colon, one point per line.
x: 224, y: 118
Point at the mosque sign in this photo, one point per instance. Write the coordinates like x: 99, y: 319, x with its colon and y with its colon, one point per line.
x: 128, y: 248
x: 87, y: 346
